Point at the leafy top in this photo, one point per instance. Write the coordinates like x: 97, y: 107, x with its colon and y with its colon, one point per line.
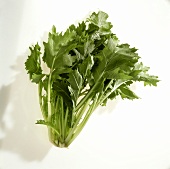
x: 88, y: 66
x: 88, y: 60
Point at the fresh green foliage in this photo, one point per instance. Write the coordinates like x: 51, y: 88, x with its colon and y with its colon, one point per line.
x: 87, y: 67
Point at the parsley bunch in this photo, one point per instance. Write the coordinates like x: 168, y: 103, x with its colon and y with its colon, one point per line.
x: 87, y: 67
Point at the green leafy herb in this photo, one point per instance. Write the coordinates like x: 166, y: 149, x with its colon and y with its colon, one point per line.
x: 88, y: 66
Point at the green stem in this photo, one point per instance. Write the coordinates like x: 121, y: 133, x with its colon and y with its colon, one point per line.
x: 56, y: 115
x: 40, y: 99
x: 65, y: 120
x: 49, y: 99
x: 62, y: 118
x: 88, y: 95
x: 84, y: 121
x: 49, y: 105
x: 82, y: 111
x: 109, y: 84
x: 119, y: 83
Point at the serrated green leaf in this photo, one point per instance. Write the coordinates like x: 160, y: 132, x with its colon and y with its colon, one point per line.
x: 88, y: 47
x: 110, y: 62
x: 63, y: 58
x: 113, y: 95
x: 117, y: 74
x: 79, y: 29
x: 49, y: 124
x: 61, y: 89
x: 57, y: 45
x: 37, y: 77
x: 140, y: 73
x: 125, y: 92
x: 86, y: 65
x: 100, y: 20
x: 149, y: 79
x: 75, y: 80
x: 33, y: 65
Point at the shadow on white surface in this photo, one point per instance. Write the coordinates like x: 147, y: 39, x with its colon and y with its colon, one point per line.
x: 4, y: 96
x: 19, y: 112
x: 19, y: 108
x: 109, y: 108
x: 168, y: 2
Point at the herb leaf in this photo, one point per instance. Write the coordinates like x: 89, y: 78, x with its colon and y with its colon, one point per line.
x: 33, y: 64
x: 75, y: 80
x: 87, y: 67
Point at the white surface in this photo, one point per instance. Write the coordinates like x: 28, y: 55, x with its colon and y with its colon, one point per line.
x: 123, y: 135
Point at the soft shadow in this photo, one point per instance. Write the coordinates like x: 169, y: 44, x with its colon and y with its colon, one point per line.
x: 19, y: 107
x: 109, y: 108
x: 19, y: 112
x: 168, y: 1
x: 4, y: 96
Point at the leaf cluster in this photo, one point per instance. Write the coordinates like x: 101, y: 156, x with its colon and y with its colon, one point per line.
x: 88, y: 66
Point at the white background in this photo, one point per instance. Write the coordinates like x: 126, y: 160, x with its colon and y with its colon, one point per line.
x: 123, y: 135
